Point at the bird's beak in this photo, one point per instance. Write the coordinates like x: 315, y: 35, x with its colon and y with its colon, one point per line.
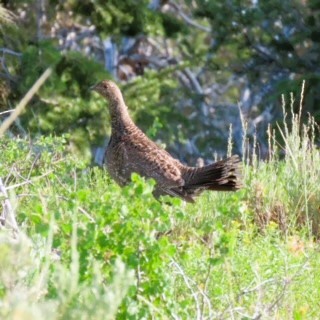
x: 93, y: 88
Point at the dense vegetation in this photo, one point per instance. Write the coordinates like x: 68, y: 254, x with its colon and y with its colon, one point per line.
x: 74, y: 245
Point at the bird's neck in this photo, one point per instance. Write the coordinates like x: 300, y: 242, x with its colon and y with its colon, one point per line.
x: 120, y: 118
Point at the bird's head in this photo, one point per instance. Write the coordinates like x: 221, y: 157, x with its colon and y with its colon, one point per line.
x: 108, y: 90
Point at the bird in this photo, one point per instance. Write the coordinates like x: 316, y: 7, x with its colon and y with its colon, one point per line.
x: 129, y: 150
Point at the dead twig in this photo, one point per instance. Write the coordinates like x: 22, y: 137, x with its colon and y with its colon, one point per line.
x: 7, y: 217
x: 187, y: 281
x: 5, y: 112
x: 25, y: 100
x: 29, y: 181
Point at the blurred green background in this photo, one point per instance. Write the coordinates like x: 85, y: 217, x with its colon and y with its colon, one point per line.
x: 186, y: 68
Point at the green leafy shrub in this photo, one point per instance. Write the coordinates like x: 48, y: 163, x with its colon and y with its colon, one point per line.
x: 88, y: 248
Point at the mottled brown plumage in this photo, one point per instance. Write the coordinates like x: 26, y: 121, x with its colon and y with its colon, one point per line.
x: 130, y: 150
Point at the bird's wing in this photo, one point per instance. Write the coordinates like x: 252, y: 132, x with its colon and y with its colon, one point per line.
x: 146, y: 158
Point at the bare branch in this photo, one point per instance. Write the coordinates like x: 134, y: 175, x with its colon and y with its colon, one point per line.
x: 188, y: 20
x: 9, y: 51
x: 193, y: 80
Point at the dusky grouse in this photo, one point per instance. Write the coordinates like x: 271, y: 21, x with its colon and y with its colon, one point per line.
x: 130, y: 150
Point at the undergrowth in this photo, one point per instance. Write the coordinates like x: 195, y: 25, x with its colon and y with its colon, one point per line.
x: 74, y: 245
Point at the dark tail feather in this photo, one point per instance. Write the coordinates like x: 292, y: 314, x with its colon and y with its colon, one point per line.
x: 223, y: 175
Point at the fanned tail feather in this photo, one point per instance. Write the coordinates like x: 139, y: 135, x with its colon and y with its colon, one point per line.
x: 222, y: 175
